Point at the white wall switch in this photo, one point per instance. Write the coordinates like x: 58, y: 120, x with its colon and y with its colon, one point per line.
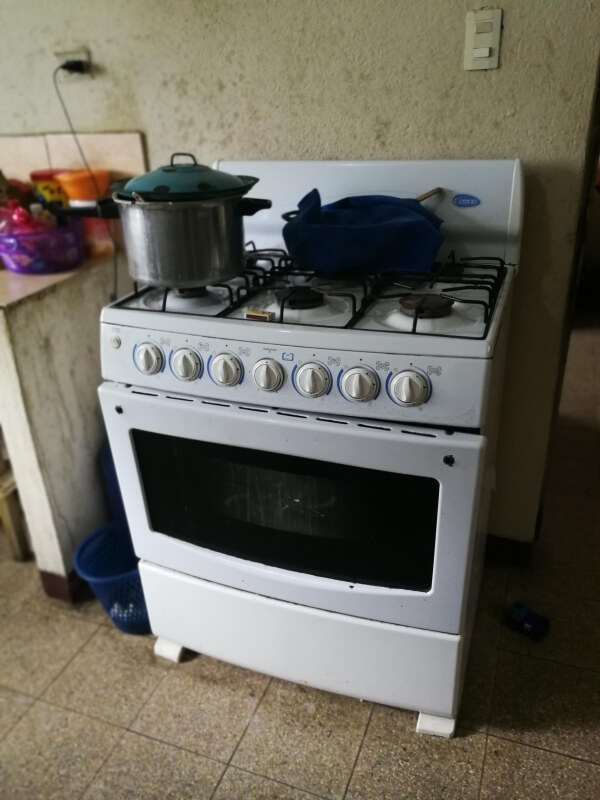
x: 482, y: 42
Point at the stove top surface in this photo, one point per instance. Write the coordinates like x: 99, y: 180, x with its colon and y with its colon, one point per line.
x: 456, y: 299
x: 416, y: 348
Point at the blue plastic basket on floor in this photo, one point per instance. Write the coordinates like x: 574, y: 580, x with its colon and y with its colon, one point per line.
x: 106, y: 560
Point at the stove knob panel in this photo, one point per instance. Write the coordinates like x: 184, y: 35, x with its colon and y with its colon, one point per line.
x: 226, y: 369
x: 359, y: 384
x: 312, y: 380
x: 186, y: 364
x: 148, y: 358
x: 268, y: 375
x: 409, y: 388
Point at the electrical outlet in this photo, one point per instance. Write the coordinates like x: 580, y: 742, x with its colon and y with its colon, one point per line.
x: 81, y: 54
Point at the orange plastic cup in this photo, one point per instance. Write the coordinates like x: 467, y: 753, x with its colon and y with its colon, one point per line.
x: 80, y: 185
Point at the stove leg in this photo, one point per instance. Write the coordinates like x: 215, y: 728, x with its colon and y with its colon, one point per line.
x: 166, y: 649
x: 436, y: 726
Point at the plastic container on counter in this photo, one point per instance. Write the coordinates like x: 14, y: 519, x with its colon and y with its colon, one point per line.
x: 43, y: 252
x: 47, y: 188
x: 98, y: 234
x: 80, y: 185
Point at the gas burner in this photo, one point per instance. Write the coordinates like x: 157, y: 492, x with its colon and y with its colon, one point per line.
x: 426, y: 306
x: 206, y: 300
x: 465, y: 320
x: 195, y: 291
x: 300, y: 297
x: 333, y: 311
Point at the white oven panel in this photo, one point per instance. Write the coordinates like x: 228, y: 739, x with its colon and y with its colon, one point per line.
x: 453, y: 460
x: 429, y: 390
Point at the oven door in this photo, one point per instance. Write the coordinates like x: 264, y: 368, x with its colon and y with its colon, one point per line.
x: 375, y: 520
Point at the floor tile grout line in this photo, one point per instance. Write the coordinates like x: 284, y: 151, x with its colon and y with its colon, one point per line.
x: 109, y: 754
x: 546, y: 584
x: 176, y: 746
x: 274, y: 780
x: 16, y: 722
x: 219, y: 781
x: 39, y: 695
x: 18, y: 691
x: 496, y: 651
x: 239, y: 741
x: 94, y: 716
x: 535, y: 657
x: 485, y: 746
x: 81, y: 713
x: 225, y: 764
x: 123, y: 730
x: 493, y: 685
x: 69, y: 662
x: 358, y: 752
x: 147, y: 700
x: 521, y: 743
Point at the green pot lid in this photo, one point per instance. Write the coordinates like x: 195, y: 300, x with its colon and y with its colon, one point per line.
x: 186, y: 181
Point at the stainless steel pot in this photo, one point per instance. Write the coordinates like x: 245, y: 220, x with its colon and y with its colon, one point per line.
x: 183, y: 244
x: 182, y: 223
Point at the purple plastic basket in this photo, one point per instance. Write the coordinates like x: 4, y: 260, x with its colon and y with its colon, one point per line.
x: 43, y: 252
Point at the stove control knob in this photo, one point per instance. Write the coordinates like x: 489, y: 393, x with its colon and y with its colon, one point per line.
x: 226, y: 369
x: 409, y: 388
x: 268, y: 375
x: 148, y: 358
x: 312, y: 380
x: 186, y: 364
x: 359, y: 384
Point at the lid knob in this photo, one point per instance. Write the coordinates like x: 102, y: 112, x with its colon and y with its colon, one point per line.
x: 187, y: 155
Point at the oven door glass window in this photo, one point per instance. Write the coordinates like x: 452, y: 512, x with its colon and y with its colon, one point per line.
x: 358, y: 525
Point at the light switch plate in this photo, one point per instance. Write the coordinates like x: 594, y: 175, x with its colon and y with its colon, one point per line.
x: 482, y: 41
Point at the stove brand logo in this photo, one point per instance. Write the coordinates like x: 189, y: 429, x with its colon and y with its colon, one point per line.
x: 466, y: 200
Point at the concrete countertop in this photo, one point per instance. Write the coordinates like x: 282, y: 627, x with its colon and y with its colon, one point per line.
x: 16, y: 287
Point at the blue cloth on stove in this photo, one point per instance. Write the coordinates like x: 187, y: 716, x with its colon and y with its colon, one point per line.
x: 370, y: 233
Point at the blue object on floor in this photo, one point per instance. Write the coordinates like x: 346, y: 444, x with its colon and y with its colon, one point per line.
x: 106, y: 560
x: 369, y: 233
x: 522, y: 618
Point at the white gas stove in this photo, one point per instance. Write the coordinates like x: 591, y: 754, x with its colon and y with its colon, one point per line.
x: 310, y: 458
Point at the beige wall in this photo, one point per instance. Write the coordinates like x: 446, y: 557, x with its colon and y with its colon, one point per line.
x: 347, y: 79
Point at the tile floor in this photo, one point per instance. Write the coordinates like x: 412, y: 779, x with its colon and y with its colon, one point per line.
x: 88, y: 712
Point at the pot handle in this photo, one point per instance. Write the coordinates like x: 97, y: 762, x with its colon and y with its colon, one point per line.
x: 107, y: 208
x: 103, y: 209
x: 188, y: 155
x: 248, y: 206
x: 288, y: 216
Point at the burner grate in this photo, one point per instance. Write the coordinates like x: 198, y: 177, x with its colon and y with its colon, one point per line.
x: 428, y: 306
x: 488, y: 278
x: 273, y: 269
